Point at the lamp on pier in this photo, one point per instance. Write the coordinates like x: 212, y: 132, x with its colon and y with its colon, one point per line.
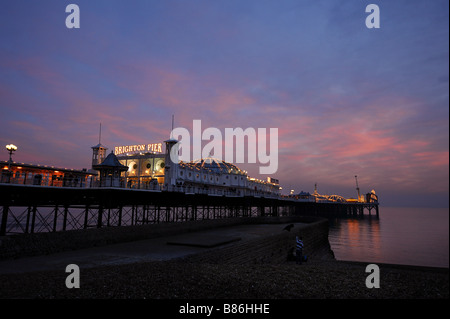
x: 11, y: 149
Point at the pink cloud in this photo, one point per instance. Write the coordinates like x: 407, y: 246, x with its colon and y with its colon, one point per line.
x: 370, y: 140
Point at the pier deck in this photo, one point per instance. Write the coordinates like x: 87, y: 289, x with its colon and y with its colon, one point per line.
x: 30, y: 209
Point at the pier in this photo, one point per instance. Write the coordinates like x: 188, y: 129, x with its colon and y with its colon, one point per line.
x: 32, y: 209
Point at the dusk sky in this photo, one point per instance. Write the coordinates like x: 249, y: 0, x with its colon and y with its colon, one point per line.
x: 347, y: 100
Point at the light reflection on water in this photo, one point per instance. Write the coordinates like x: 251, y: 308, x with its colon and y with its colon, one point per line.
x: 411, y: 236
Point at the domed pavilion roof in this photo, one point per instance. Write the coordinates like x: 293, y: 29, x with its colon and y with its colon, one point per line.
x: 214, y: 165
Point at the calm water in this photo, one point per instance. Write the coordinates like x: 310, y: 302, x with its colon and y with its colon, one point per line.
x: 409, y: 236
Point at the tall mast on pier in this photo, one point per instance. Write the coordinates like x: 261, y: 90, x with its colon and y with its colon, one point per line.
x: 357, y: 187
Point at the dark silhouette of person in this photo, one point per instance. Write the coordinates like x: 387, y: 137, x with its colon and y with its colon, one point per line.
x: 299, y: 249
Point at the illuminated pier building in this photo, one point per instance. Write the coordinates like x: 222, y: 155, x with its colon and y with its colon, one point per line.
x: 145, y: 166
x: 44, y: 175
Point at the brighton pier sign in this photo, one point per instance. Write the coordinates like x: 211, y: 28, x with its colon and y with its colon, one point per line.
x: 139, y: 148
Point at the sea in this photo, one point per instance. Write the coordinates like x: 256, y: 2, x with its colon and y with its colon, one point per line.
x: 401, y: 235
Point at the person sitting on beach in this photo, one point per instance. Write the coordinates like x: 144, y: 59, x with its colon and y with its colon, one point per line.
x: 299, y: 249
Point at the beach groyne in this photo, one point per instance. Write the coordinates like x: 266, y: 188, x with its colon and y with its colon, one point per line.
x: 274, y: 248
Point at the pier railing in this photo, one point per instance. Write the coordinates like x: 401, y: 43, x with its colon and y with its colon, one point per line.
x: 94, y: 183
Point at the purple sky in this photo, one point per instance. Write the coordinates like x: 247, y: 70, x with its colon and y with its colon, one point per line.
x: 347, y: 100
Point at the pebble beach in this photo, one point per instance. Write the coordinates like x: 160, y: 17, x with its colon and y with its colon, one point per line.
x: 176, y: 279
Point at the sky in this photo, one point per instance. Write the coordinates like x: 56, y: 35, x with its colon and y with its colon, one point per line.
x: 347, y: 100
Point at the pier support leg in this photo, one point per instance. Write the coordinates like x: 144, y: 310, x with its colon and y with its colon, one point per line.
x: 4, y: 220
x: 55, y: 218
x: 66, y: 211
x: 144, y: 214
x: 108, y: 217
x: 262, y: 212
x: 86, y: 213
x: 27, y: 225
x: 100, y: 216
x: 159, y: 211
x: 33, y: 219
x: 120, y: 216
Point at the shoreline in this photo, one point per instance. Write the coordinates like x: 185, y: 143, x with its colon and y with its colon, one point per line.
x: 393, y: 265
x: 398, y: 266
